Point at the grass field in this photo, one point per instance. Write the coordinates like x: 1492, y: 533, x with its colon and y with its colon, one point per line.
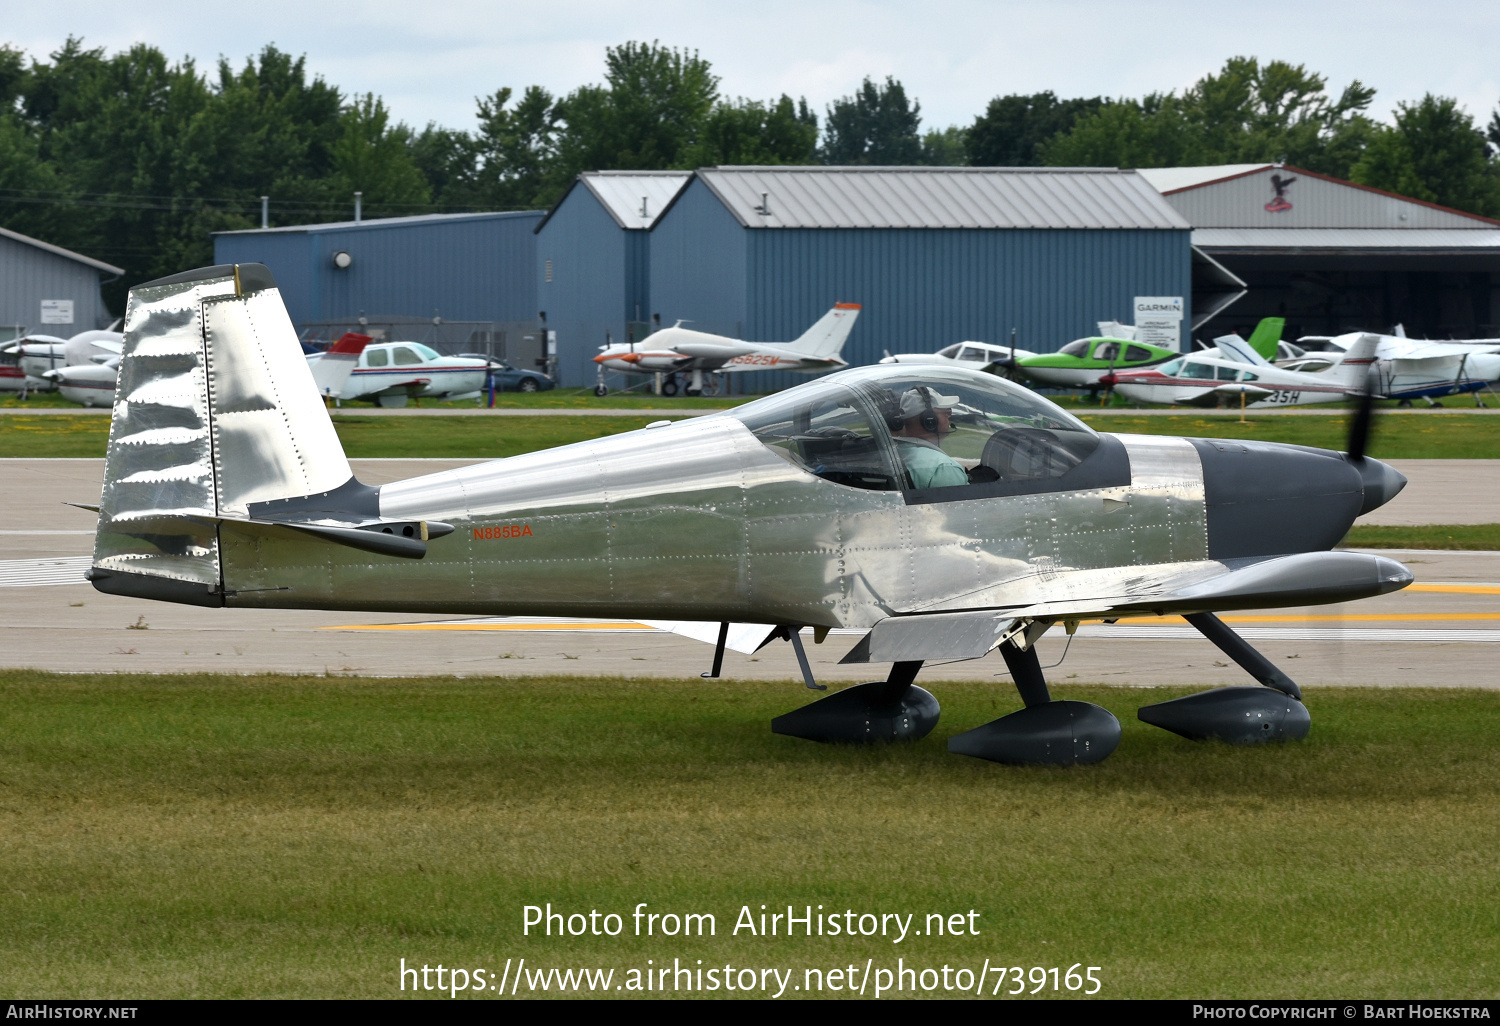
x: 47, y: 400
x: 1404, y: 437
x: 557, y: 398
x: 217, y: 836
x: 487, y: 437
x: 55, y: 435
x: 1482, y: 537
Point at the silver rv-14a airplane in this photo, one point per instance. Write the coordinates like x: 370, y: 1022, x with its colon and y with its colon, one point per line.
x: 943, y: 511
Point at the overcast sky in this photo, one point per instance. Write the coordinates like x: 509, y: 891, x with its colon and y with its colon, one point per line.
x: 429, y: 60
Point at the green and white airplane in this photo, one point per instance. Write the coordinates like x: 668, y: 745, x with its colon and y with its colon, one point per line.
x: 1082, y: 363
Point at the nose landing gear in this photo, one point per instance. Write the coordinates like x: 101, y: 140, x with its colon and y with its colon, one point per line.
x: 1241, y: 715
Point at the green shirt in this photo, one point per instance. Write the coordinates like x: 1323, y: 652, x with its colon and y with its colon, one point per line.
x: 929, y: 465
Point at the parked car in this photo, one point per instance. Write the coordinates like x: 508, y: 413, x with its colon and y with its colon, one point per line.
x: 513, y: 379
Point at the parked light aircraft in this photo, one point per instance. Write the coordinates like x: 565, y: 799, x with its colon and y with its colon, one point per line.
x: 943, y: 511
x: 679, y: 350
x: 1083, y: 363
x: 28, y: 358
x: 91, y: 362
x: 390, y: 373
x: 37, y: 354
x: 985, y: 356
x: 19, y: 369
x: 1241, y: 373
x: 1408, y: 368
x: 89, y: 380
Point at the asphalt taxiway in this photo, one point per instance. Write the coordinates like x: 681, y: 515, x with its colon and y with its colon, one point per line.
x: 1441, y: 631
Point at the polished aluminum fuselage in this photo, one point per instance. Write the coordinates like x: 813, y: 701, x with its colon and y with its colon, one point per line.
x: 698, y: 520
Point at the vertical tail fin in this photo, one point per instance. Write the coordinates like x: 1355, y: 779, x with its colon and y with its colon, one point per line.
x: 827, y: 335
x: 1266, y: 334
x: 215, y: 410
x: 331, y: 370
x: 1353, y: 371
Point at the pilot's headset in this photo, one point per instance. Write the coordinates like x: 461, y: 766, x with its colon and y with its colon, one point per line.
x: 928, y: 417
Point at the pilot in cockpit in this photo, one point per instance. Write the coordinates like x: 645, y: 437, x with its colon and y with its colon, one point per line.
x: 919, y: 429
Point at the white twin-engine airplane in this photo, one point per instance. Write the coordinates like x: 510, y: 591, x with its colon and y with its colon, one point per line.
x: 679, y: 350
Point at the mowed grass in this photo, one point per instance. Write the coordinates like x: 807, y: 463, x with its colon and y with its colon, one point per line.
x: 585, y: 399
x: 481, y: 437
x: 59, y: 435
x: 33, y: 400
x: 1409, y: 436
x: 203, y: 836
x: 1482, y: 537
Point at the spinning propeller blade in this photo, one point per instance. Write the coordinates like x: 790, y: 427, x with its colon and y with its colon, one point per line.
x: 1359, y: 427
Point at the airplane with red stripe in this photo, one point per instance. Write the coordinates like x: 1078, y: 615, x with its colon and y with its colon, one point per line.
x: 679, y: 350
x: 1240, y: 373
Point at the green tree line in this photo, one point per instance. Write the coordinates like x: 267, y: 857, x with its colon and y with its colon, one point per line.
x: 135, y: 159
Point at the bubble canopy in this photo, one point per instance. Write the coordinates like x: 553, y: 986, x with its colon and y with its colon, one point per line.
x: 933, y: 433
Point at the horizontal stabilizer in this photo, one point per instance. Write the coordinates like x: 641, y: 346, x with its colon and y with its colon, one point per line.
x: 1237, y: 349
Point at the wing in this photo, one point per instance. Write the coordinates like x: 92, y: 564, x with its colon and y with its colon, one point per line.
x: 1231, y: 389
x: 1309, y: 578
x: 406, y: 388
x: 1193, y: 396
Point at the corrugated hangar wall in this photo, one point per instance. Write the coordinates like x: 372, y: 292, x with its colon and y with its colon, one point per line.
x: 920, y: 288
x: 581, y: 282
x: 593, y: 275
x: 462, y: 267
x: 29, y: 275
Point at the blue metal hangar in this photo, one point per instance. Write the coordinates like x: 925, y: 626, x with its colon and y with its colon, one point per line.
x: 933, y: 255
x: 593, y: 270
x: 48, y: 290
x: 455, y: 281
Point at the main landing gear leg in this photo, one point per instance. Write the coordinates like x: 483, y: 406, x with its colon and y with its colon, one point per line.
x: 894, y: 709
x: 1241, y: 715
x: 1058, y: 733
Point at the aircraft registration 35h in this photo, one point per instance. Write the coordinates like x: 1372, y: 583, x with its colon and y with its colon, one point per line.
x: 944, y: 511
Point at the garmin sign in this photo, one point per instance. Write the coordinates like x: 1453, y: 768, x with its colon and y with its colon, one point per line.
x: 1158, y: 320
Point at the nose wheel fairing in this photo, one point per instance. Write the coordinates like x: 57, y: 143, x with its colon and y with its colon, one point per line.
x: 1241, y: 715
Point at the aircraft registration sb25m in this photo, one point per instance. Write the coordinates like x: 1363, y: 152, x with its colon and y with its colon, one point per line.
x: 943, y: 511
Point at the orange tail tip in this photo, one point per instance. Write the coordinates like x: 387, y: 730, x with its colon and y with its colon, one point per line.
x: 846, y: 306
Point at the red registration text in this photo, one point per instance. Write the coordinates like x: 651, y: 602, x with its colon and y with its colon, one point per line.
x: 502, y: 531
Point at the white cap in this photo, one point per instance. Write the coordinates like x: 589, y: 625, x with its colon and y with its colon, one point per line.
x: 917, y: 401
